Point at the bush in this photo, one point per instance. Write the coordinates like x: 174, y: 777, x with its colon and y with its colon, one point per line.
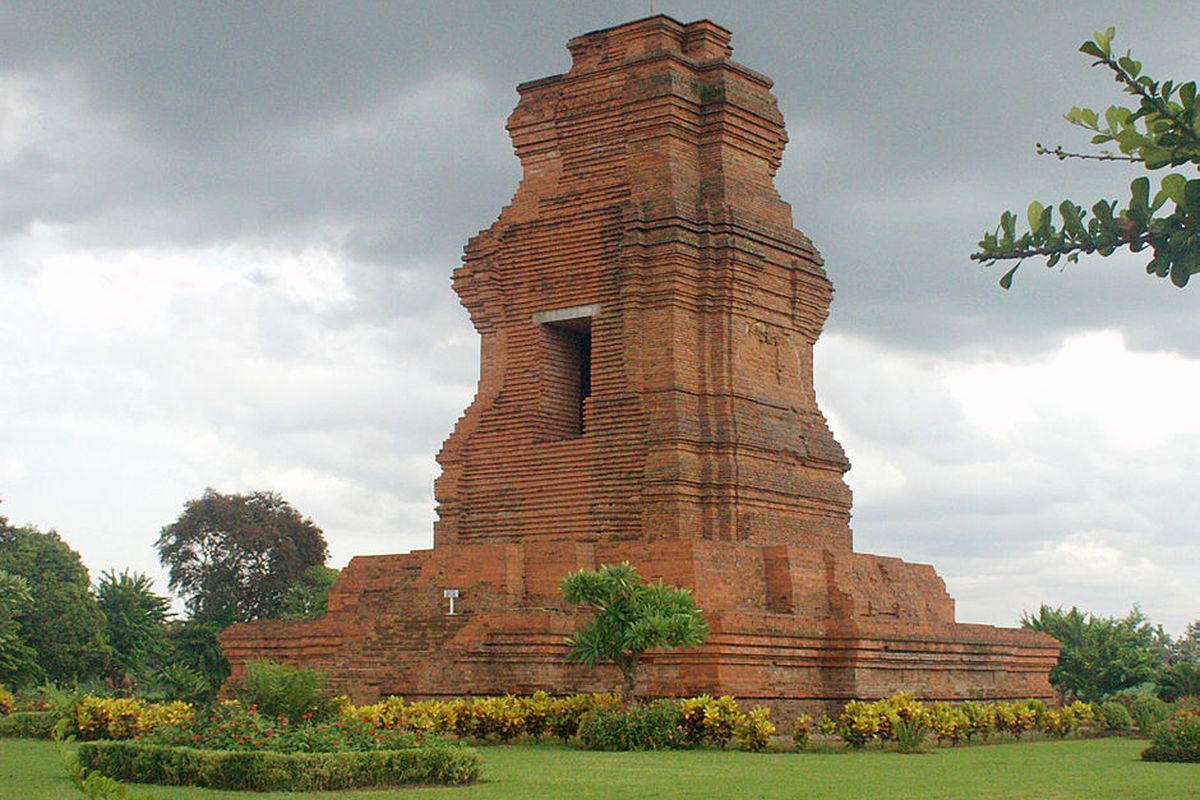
x: 910, y: 735
x: 950, y: 723
x: 125, y: 717
x: 658, y: 726
x: 709, y: 720
x: 980, y: 719
x: 859, y: 723
x: 802, y: 731
x: 1060, y: 722
x: 6, y: 702
x: 753, y: 730
x: 29, y: 724
x: 499, y: 717
x: 567, y: 713
x: 1176, y: 739
x: 1146, y: 710
x: 264, y: 771
x: 180, y: 681
x: 1115, y: 716
x: 281, y: 690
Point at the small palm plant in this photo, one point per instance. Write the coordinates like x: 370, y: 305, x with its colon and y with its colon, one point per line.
x: 631, y: 617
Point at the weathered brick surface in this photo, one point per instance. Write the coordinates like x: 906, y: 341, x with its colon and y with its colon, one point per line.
x: 646, y: 248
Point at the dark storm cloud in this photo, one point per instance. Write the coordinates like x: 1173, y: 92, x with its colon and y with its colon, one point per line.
x: 205, y: 158
x: 913, y: 126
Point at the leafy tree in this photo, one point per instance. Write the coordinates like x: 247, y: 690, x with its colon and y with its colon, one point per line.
x: 194, y: 664
x: 18, y: 661
x: 1100, y: 655
x: 232, y: 557
x: 1178, y: 680
x: 1186, y: 649
x: 310, y: 597
x: 135, y: 620
x: 1180, y: 675
x: 1162, y: 131
x: 64, y: 625
x: 631, y: 617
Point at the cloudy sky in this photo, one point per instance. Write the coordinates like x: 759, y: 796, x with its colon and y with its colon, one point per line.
x: 227, y: 230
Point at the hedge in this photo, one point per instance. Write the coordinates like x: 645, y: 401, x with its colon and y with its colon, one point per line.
x: 28, y: 724
x: 266, y: 771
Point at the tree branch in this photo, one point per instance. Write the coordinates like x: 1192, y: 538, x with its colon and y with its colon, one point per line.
x: 1063, y: 155
x: 1134, y: 87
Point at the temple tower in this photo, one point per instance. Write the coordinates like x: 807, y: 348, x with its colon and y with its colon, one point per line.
x: 647, y: 314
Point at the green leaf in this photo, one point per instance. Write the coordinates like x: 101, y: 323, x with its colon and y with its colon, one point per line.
x: 1191, y: 197
x: 1092, y: 49
x: 1116, y: 117
x: 1139, y: 193
x: 1174, y: 186
x: 1006, y: 280
x: 1187, y: 94
x: 1105, y: 39
x: 1034, y: 214
x: 1008, y: 222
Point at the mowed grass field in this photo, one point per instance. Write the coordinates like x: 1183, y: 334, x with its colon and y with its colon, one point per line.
x: 1046, y: 770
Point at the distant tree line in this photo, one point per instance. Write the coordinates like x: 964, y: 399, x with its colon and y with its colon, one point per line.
x: 230, y: 557
x: 1102, y: 656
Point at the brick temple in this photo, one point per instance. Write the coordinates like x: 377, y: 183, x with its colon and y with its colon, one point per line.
x: 648, y: 314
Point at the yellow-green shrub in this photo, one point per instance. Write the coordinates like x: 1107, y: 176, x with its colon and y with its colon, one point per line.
x: 6, y: 702
x: 1060, y: 721
x: 708, y: 719
x: 980, y: 719
x: 948, y: 723
x: 802, y: 731
x: 387, y: 713
x: 125, y: 717
x: 859, y: 723
x: 539, y: 710
x: 503, y: 717
x: 754, y: 729
x: 433, y: 716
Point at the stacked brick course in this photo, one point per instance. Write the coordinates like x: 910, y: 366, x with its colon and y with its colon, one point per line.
x: 648, y: 315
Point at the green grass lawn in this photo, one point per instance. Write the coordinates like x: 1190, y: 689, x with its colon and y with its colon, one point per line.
x: 1048, y: 770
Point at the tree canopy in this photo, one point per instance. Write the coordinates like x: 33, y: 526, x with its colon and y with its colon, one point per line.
x: 62, y: 624
x: 631, y: 617
x: 1100, y: 655
x: 233, y: 557
x: 135, y: 618
x: 309, y: 597
x: 1160, y: 132
x: 18, y: 661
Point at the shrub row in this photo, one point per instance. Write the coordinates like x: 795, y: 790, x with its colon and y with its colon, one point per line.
x: 1176, y: 739
x: 676, y: 725
x: 262, y: 772
x: 903, y: 719
x: 502, y: 718
x: 28, y: 725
